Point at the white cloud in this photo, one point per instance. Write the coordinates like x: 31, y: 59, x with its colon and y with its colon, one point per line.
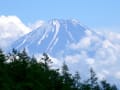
x: 86, y: 42
x: 106, y: 72
x: 73, y: 58
x: 107, y: 44
x: 11, y: 28
x: 83, y: 43
x: 88, y: 32
x: 102, y: 53
x: 117, y: 75
x: 76, y: 58
x: 101, y: 76
x: 90, y: 61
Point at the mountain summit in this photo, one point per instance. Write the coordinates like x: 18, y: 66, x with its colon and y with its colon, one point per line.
x: 51, y: 37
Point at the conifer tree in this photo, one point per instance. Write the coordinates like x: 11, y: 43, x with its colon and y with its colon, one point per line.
x: 107, y: 86
x: 2, y: 57
x: 77, y: 83
x: 25, y: 73
x: 92, y: 82
x: 46, y: 61
x: 67, y: 78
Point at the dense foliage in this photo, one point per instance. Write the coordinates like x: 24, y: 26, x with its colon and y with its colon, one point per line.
x: 18, y: 71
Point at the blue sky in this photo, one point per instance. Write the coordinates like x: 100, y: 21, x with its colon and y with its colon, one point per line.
x: 99, y: 14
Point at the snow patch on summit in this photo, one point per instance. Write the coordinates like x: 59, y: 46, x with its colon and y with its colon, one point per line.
x: 45, y: 34
x: 53, y: 41
x: 37, y: 24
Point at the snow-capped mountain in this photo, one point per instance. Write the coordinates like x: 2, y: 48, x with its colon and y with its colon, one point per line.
x: 80, y: 47
x: 52, y: 37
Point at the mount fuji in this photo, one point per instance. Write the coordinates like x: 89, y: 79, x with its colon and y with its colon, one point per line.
x: 54, y: 36
x: 77, y: 45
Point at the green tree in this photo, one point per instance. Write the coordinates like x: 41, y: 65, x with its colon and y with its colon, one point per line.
x: 114, y: 87
x: 67, y: 78
x: 25, y: 73
x: 5, y: 81
x: 2, y: 57
x: 92, y: 82
x: 107, y: 86
x: 45, y: 61
x: 77, y: 83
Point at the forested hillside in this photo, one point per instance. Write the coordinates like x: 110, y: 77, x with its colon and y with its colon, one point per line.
x: 18, y: 71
